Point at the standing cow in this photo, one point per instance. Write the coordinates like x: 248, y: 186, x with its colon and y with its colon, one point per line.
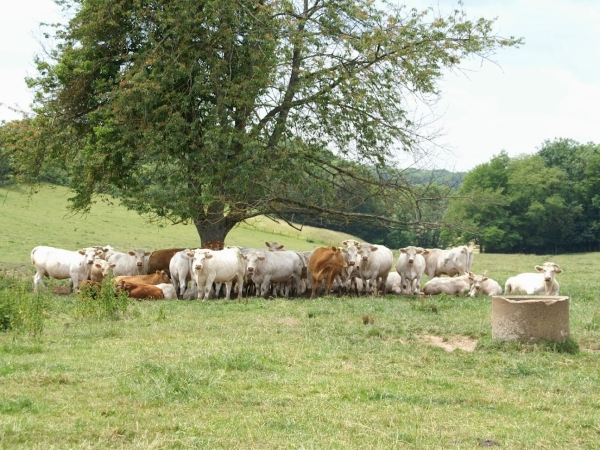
x: 62, y: 264
x: 128, y: 264
x: 324, y: 265
x: 180, y: 268
x: 220, y: 266
x: 410, y: 266
x: 160, y: 259
x: 375, y: 265
x: 280, y: 266
x: 451, y: 262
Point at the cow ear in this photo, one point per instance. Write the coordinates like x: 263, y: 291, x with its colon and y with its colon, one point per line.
x: 98, y: 265
x: 539, y: 268
x: 208, y: 255
x: 147, y: 253
x: 81, y: 251
x: 425, y: 252
x: 402, y: 250
x: 484, y: 279
x: 557, y: 269
x: 261, y: 258
x: 373, y: 248
x: 190, y: 254
x: 280, y: 247
x: 344, y: 242
x: 112, y: 266
x: 131, y: 253
x: 471, y: 276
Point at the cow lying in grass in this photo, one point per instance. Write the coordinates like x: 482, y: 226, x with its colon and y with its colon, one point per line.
x: 140, y: 291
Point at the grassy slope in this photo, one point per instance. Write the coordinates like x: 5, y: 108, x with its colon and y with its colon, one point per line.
x: 291, y: 374
x: 43, y: 219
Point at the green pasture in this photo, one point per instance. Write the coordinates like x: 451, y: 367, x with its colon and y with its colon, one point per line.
x: 340, y: 373
x: 44, y: 219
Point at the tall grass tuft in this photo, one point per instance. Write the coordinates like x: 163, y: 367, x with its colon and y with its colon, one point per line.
x: 20, y: 310
x: 101, y: 303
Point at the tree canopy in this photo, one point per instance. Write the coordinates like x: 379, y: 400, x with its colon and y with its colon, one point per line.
x: 542, y: 203
x: 217, y: 111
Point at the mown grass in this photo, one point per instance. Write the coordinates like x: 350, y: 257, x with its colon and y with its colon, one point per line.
x: 300, y: 373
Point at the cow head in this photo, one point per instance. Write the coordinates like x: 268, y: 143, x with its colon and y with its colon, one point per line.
x: 253, y: 260
x: 476, y: 281
x: 89, y: 254
x: 549, y: 269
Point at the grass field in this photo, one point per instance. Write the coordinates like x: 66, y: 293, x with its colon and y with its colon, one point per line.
x: 274, y: 374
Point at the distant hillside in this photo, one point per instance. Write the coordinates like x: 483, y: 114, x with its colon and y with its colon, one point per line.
x: 440, y: 177
x: 43, y: 219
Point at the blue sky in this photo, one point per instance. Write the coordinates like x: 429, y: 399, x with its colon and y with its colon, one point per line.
x: 548, y: 88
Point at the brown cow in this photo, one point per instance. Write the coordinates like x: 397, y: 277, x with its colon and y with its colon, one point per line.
x: 160, y: 259
x: 141, y: 291
x: 325, y: 264
x: 160, y: 276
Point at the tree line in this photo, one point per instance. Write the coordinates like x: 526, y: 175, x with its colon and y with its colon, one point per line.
x: 544, y: 203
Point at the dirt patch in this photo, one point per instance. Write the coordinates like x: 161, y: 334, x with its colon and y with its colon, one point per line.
x: 61, y: 290
x: 450, y: 344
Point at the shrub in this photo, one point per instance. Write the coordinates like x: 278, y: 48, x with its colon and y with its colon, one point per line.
x: 20, y: 309
x: 101, y: 303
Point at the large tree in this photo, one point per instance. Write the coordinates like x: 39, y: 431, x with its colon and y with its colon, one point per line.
x: 215, y: 111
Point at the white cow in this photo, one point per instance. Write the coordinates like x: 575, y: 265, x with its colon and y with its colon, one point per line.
x: 168, y: 290
x: 274, y: 246
x: 375, y: 265
x: 535, y: 283
x: 100, y: 269
x: 281, y: 266
x: 373, y: 261
x: 394, y: 283
x: 410, y: 266
x: 181, y: 271
x: 448, y: 285
x: 349, y: 278
x: 128, y: 264
x: 482, y: 285
x: 62, y: 264
x: 454, y: 261
x: 217, y: 266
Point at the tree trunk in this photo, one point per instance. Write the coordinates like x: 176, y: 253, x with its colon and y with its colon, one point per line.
x: 213, y: 231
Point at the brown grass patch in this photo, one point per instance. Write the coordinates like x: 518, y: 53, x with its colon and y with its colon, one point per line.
x: 464, y: 343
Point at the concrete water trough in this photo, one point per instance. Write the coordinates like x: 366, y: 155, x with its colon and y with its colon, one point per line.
x: 530, y: 318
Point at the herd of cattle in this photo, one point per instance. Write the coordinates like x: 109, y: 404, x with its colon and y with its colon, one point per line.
x: 356, y: 268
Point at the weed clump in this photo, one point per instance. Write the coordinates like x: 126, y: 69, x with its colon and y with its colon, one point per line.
x: 101, y: 302
x: 20, y: 309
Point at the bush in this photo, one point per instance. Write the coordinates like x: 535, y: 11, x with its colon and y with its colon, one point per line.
x: 101, y: 303
x: 20, y: 309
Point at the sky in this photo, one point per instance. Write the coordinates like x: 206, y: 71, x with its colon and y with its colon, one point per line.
x: 548, y: 88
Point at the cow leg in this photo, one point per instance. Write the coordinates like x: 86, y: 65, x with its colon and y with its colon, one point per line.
x: 38, y: 280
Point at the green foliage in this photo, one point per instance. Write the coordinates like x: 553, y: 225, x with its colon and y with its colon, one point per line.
x: 20, y: 310
x: 101, y: 303
x: 215, y: 112
x: 542, y: 203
